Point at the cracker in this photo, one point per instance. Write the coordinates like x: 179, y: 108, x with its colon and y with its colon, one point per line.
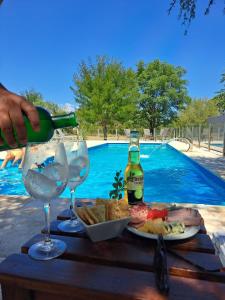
x: 124, y: 208
x: 99, y: 212
x: 81, y: 214
x: 117, y: 209
x: 90, y: 221
x: 90, y: 212
x: 100, y: 201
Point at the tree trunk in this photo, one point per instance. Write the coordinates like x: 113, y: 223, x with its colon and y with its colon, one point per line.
x: 151, y: 127
x: 105, y: 132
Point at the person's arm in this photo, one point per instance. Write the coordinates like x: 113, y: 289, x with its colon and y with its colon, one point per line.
x: 11, y: 108
x: 9, y: 156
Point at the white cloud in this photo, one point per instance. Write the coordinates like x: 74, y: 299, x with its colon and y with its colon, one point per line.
x: 68, y: 107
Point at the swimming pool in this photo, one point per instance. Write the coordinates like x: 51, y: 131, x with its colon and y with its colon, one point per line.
x: 217, y: 145
x: 169, y: 176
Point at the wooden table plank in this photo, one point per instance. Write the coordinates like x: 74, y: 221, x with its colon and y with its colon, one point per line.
x: 54, y: 230
x: 78, y: 280
x: 64, y: 215
x: 199, y: 243
x: 132, y: 256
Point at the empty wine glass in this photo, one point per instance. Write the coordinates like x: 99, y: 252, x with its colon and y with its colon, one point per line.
x: 78, y: 162
x: 45, y: 175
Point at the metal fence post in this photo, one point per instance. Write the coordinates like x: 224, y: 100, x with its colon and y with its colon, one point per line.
x: 224, y: 139
x: 218, y: 136
x: 199, y: 136
x: 154, y: 135
x: 192, y: 133
x: 209, y: 136
x: 179, y: 132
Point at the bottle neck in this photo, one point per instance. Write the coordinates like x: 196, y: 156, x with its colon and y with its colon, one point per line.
x: 134, y: 157
x: 134, y: 138
x: 68, y: 120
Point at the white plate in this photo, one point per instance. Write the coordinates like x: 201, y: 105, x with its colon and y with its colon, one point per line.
x: 189, y: 232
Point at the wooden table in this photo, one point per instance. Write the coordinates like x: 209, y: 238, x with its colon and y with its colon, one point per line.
x: 117, y: 269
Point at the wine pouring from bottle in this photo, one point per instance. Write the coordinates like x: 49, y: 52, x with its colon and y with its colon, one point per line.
x: 48, y: 124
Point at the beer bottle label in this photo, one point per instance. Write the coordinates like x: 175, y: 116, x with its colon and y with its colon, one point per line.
x: 135, y: 188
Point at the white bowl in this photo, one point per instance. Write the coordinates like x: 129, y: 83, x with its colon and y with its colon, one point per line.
x: 105, y: 230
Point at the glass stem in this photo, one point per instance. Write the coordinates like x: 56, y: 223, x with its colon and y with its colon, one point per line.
x: 47, y: 222
x: 72, y: 204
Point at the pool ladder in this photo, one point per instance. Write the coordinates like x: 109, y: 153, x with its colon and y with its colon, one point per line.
x: 186, y: 141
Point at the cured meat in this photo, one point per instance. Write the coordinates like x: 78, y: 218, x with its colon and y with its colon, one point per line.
x: 139, y: 213
x: 188, y: 216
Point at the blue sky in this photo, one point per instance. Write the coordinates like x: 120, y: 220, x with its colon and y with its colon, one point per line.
x: 42, y: 42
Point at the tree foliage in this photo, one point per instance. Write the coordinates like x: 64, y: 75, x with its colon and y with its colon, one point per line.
x: 197, y: 112
x: 105, y: 91
x: 220, y: 98
x: 162, y: 92
x: 187, y: 10
x: 37, y: 99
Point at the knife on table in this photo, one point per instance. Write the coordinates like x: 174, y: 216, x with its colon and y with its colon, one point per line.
x: 160, y: 265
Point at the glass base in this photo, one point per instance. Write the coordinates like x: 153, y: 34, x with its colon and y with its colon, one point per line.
x: 46, y: 251
x: 71, y: 226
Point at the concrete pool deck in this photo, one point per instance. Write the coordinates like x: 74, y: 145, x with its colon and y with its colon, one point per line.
x: 21, y: 218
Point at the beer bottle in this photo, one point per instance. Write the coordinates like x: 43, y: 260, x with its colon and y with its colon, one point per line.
x: 134, y: 175
x: 48, y: 124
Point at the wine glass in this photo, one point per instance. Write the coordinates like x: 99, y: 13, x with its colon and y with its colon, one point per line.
x: 45, y: 176
x: 78, y: 162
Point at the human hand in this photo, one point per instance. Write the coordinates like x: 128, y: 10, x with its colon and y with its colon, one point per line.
x: 11, y: 117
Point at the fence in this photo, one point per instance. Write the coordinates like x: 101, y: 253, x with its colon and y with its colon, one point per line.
x: 211, y: 136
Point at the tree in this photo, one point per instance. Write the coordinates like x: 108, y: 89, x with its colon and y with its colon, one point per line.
x: 197, y: 113
x: 105, y: 91
x: 37, y: 99
x: 163, y: 92
x: 220, y: 98
x: 187, y: 10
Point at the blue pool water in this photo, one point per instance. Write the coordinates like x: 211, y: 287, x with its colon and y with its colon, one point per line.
x: 217, y: 145
x: 169, y: 176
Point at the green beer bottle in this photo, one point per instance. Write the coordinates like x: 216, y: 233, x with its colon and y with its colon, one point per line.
x: 134, y: 175
x: 48, y: 124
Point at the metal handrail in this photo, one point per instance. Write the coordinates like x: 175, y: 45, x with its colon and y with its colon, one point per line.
x: 182, y: 139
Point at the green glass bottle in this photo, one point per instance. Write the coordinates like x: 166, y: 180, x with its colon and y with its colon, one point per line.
x: 134, y: 175
x: 48, y: 124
